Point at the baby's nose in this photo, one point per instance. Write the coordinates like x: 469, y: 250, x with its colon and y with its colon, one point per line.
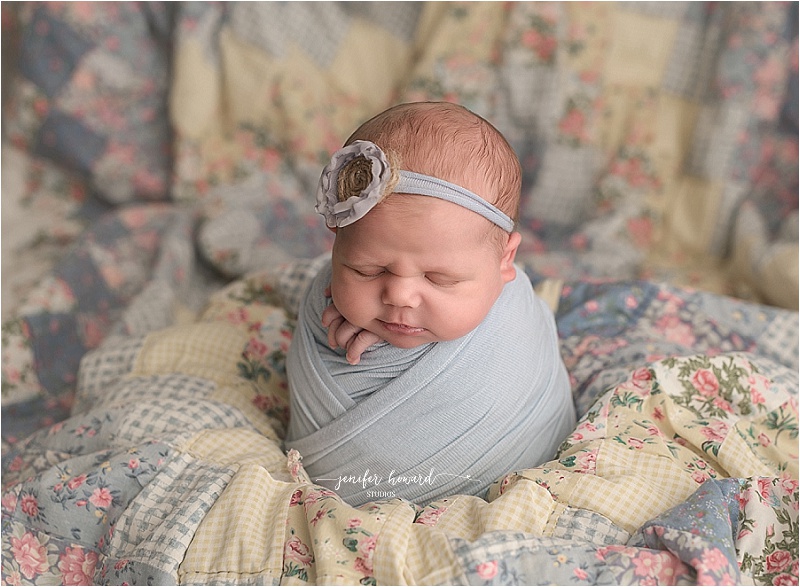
x: 401, y: 292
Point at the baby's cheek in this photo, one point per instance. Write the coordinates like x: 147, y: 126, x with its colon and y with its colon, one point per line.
x: 352, y: 302
x: 464, y: 315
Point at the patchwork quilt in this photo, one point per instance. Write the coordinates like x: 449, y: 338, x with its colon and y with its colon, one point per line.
x: 170, y: 470
x: 159, y: 163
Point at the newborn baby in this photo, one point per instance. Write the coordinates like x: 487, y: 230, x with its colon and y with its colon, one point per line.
x: 436, y: 370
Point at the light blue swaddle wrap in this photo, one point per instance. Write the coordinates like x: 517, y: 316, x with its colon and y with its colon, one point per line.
x: 441, y: 419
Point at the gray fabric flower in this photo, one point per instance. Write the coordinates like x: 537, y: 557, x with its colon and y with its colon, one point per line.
x: 352, y: 183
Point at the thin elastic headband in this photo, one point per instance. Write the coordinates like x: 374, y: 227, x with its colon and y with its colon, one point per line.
x: 425, y: 185
x: 358, y: 177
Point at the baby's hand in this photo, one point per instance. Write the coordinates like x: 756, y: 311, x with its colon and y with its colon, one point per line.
x: 345, y: 335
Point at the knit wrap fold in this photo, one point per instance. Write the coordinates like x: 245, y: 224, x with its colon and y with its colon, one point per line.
x: 440, y: 419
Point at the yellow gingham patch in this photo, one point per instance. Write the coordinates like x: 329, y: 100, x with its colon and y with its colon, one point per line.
x: 413, y: 554
x: 631, y: 486
x: 243, y: 533
x: 524, y: 506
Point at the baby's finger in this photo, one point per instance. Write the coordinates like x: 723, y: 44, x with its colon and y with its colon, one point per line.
x: 333, y: 328
x: 329, y: 314
x: 345, y: 332
x: 362, y: 341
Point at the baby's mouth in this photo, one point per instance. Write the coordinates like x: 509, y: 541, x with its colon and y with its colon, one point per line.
x: 402, y: 328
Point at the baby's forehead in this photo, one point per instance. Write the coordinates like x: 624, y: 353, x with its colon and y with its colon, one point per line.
x: 418, y: 203
x: 437, y: 214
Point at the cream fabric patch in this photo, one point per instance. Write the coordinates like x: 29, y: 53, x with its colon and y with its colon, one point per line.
x: 634, y: 59
x: 209, y: 350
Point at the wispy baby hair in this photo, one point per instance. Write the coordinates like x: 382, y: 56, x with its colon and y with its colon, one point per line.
x: 452, y: 143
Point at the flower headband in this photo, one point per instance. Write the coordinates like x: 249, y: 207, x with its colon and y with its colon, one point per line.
x: 359, y: 175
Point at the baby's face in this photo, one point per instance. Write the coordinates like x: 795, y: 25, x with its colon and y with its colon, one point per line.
x: 418, y: 269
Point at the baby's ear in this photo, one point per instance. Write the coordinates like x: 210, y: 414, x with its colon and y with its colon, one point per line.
x: 507, y: 270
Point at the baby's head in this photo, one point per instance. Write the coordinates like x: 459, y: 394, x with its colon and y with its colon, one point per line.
x: 449, y: 142
x: 414, y: 268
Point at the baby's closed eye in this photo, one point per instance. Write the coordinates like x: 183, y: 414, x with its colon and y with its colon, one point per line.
x: 442, y: 280
x: 374, y: 273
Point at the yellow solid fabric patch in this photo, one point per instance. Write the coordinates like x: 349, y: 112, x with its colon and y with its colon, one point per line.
x: 633, y: 56
x: 239, y: 446
x: 205, y: 349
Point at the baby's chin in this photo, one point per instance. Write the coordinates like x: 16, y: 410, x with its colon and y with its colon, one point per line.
x: 410, y: 337
x: 412, y: 342
x: 408, y: 344
x: 405, y: 338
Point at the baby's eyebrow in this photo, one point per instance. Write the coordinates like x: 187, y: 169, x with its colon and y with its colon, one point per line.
x: 359, y: 257
x: 362, y: 262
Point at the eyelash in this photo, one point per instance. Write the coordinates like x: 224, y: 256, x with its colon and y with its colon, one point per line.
x: 379, y: 273
x: 442, y: 283
x: 368, y: 275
